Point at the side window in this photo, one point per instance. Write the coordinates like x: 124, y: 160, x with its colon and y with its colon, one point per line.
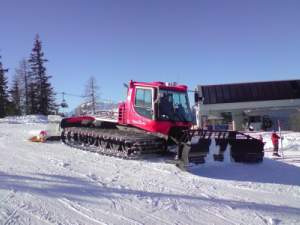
x: 143, y: 102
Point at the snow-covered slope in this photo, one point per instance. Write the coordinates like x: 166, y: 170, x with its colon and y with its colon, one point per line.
x: 25, y: 119
x: 54, y: 184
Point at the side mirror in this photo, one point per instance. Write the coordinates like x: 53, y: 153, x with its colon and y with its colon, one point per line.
x: 197, y: 97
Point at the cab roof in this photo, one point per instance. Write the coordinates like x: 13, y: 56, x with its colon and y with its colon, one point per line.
x: 162, y: 85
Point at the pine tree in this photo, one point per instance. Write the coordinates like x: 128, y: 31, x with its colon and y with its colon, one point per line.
x: 22, y: 72
x: 40, y: 90
x: 32, y: 96
x: 15, y: 96
x: 3, y: 91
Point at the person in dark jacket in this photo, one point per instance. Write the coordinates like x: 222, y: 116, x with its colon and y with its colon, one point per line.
x: 275, y: 140
x: 166, y: 109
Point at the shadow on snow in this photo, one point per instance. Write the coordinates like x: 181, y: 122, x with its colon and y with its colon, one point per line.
x: 85, y: 190
x: 269, y: 171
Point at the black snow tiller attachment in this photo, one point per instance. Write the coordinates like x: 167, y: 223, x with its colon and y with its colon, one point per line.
x: 194, y: 146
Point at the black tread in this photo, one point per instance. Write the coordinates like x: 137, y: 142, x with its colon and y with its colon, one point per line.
x: 113, y: 142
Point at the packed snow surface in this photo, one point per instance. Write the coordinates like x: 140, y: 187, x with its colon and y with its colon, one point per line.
x: 25, y: 119
x: 52, y: 183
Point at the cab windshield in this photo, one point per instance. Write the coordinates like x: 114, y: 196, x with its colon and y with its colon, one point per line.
x: 174, y: 105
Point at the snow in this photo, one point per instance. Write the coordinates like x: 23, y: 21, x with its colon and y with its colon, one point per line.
x: 25, y: 119
x: 54, y: 184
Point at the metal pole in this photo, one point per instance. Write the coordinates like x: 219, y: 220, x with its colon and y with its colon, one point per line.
x: 281, y: 145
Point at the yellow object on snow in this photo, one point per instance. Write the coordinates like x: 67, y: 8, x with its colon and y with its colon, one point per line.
x: 42, y: 137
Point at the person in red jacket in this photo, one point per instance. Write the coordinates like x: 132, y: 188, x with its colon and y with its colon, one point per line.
x: 275, y: 140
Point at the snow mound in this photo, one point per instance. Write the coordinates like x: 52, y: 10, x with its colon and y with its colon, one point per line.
x: 290, y: 140
x: 25, y: 119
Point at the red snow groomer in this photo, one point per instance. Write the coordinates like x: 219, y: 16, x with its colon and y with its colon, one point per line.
x: 154, y: 116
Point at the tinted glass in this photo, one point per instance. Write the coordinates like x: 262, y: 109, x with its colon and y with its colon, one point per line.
x: 143, y: 102
x: 174, y: 106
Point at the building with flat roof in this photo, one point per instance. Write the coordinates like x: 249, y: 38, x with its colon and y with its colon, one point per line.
x: 255, y: 105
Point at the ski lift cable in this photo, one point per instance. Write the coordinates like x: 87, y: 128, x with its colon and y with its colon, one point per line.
x: 73, y: 95
x: 81, y: 96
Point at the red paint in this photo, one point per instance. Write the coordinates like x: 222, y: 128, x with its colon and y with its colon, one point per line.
x: 129, y: 116
x: 79, y: 119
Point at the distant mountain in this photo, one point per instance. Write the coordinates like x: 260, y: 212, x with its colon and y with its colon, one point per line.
x: 86, y: 108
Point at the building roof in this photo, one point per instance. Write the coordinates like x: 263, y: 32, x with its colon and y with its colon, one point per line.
x: 248, y: 92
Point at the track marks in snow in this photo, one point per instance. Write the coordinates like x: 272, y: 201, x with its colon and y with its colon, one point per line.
x: 12, y: 217
x: 32, y: 214
x: 18, y: 212
x: 7, y: 214
x: 76, y: 209
x: 98, y: 216
x: 116, y: 208
x: 95, y: 188
x: 119, y: 205
x: 148, y: 216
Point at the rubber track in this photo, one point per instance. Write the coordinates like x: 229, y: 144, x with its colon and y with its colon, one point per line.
x: 130, y: 145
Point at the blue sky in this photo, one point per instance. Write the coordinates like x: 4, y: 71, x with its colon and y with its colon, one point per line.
x: 191, y: 42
